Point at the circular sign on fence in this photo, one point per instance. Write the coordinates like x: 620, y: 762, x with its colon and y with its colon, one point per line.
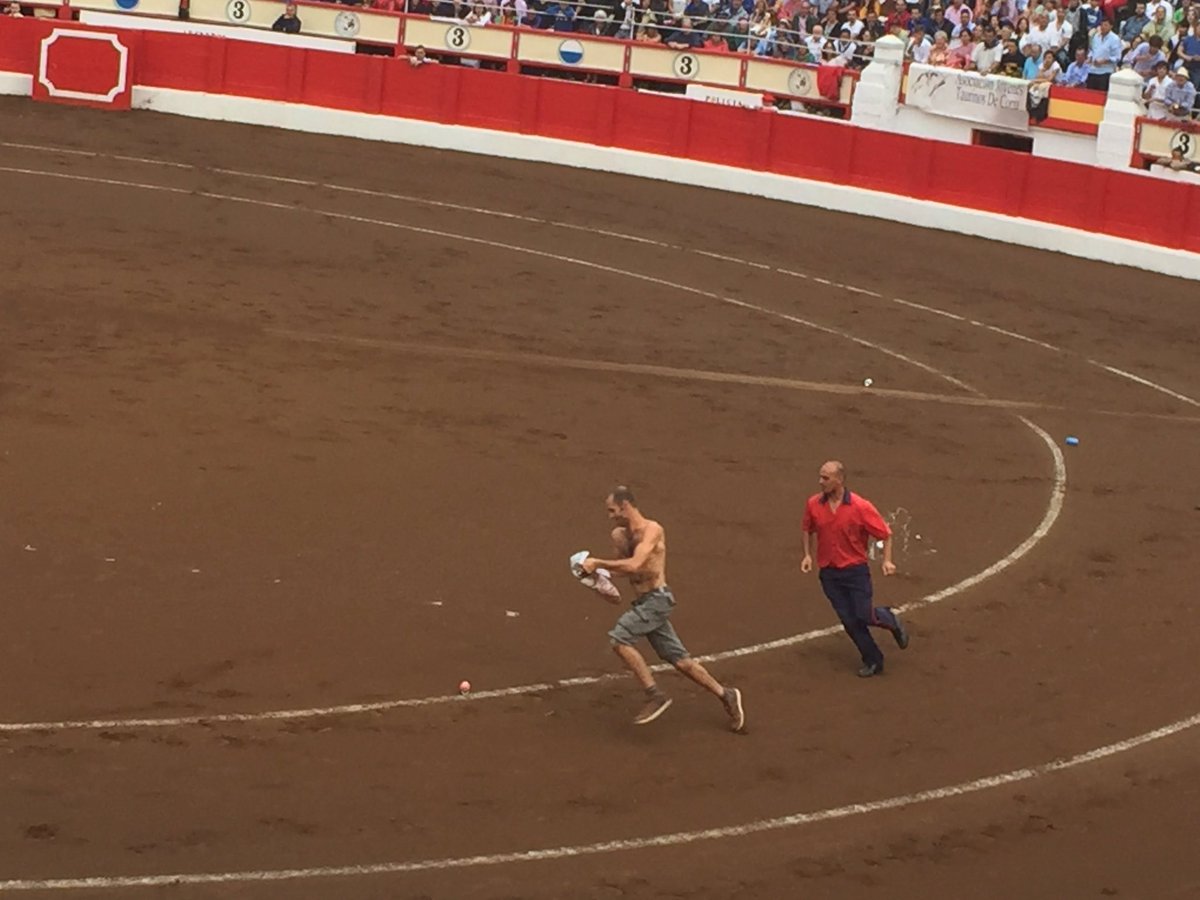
x: 1185, y: 142
x: 238, y: 11
x: 686, y: 65
x: 800, y: 82
x: 570, y: 52
x: 127, y: 4
x: 346, y: 24
x: 458, y: 37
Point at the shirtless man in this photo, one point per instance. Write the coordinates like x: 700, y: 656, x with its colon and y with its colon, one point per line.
x: 641, y: 545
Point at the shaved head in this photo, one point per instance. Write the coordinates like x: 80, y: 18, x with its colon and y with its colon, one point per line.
x: 834, y: 467
x: 831, y: 477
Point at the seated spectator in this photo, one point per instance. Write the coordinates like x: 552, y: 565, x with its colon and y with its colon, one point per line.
x: 1180, y: 96
x: 1132, y: 27
x: 478, y: 15
x: 289, y: 22
x: 919, y: 46
x: 1172, y: 51
x: 814, y: 45
x: 559, y: 16
x: 1048, y: 70
x: 962, y: 54
x: 917, y: 17
x: 715, y: 43
x: 873, y: 28
x: 986, y: 56
x: 1090, y: 17
x: 13, y: 10
x: 1077, y: 72
x: 684, y: 37
x: 1020, y: 30
x: 1033, y: 61
x: 901, y: 18
x: 1039, y: 33
x: 939, y: 53
x: 1160, y: 25
x: 956, y: 12
x: 1155, y: 92
x: 1145, y: 56
x: 1001, y: 10
x: 1189, y: 54
x: 831, y: 23
x: 938, y: 22
x: 804, y: 19
x: 1013, y: 59
x: 842, y: 51
x: 764, y: 35
x: 733, y: 19
x: 854, y: 24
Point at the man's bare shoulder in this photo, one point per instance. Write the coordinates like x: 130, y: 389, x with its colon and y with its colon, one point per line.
x: 653, y: 530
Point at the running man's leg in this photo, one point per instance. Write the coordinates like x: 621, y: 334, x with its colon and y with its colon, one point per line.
x: 669, y: 647
x: 635, y: 663
x: 883, y: 616
x: 845, y: 590
x: 633, y: 624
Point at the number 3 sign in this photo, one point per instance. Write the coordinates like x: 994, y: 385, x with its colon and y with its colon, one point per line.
x: 238, y: 11
x: 686, y: 65
x: 458, y: 37
x: 1185, y: 142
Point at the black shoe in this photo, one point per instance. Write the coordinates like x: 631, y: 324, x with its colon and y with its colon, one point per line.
x: 900, y: 633
x: 869, y: 670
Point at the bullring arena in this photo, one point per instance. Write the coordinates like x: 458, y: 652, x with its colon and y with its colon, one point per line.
x: 299, y: 432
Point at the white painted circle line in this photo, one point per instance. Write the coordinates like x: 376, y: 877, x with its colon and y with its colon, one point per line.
x: 442, y: 204
x: 1053, y: 508
x: 672, y: 839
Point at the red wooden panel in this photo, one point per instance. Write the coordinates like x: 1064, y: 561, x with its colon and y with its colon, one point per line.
x: 730, y: 135
x: 897, y: 163
x: 650, y: 124
x: 1145, y: 208
x: 19, y: 41
x: 574, y: 112
x: 257, y: 70
x: 1060, y: 192
x: 974, y: 177
x: 426, y: 93
x: 178, y: 61
x: 338, y: 80
x: 810, y: 148
x: 1189, y: 226
x: 491, y: 99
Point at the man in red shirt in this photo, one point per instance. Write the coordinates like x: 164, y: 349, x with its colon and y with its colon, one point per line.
x: 842, y: 523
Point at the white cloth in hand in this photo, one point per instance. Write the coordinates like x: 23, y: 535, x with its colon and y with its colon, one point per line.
x: 599, y: 581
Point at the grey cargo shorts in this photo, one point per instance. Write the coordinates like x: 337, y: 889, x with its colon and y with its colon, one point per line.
x: 649, y: 617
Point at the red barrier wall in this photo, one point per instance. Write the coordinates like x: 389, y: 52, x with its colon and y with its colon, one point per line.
x: 1166, y: 213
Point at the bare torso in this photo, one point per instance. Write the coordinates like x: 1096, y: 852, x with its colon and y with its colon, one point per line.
x: 654, y: 573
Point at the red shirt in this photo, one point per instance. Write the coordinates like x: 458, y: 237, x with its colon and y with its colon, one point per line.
x: 842, y: 535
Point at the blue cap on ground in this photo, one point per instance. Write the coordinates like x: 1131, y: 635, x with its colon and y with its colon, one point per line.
x: 1072, y: 442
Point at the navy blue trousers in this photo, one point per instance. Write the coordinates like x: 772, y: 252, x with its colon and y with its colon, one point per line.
x: 849, y: 591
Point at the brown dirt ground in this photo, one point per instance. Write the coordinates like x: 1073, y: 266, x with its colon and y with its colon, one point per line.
x: 181, y: 390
